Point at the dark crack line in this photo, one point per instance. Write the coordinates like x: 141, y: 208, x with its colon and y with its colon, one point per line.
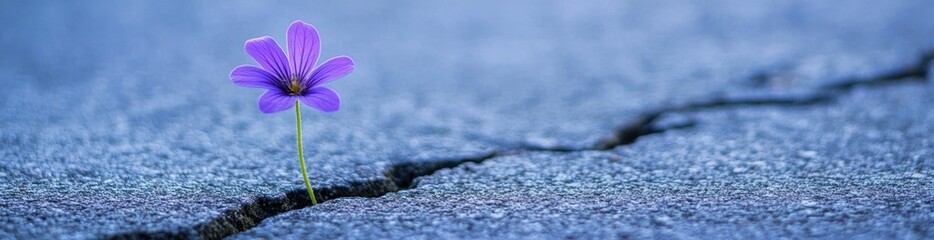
x: 405, y: 175
x: 398, y: 177
x: 916, y: 72
x: 645, y: 124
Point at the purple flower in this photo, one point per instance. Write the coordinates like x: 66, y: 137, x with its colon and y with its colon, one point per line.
x: 294, y: 78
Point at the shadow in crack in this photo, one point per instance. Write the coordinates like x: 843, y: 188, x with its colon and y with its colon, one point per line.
x: 404, y: 175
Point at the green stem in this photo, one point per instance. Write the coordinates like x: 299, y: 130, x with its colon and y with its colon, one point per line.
x: 301, y: 152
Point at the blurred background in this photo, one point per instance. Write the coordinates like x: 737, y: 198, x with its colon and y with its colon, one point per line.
x: 133, y: 97
x: 522, y: 69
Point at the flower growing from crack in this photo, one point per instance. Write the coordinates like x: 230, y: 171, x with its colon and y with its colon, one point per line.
x: 294, y: 79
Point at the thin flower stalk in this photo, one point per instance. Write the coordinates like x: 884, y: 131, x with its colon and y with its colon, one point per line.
x: 294, y: 79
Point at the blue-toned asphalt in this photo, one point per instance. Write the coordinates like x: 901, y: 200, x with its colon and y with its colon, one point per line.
x: 119, y: 119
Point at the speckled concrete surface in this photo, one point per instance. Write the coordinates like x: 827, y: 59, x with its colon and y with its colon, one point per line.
x: 119, y: 118
x: 860, y: 168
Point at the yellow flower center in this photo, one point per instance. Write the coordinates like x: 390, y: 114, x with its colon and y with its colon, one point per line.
x: 295, y: 89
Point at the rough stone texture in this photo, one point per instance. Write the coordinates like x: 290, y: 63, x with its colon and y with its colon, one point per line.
x: 860, y: 168
x: 118, y: 117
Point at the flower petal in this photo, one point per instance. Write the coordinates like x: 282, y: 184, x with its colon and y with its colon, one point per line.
x: 330, y: 70
x: 304, y: 47
x: 268, y: 54
x: 252, y: 76
x: 275, y: 101
x: 322, y: 98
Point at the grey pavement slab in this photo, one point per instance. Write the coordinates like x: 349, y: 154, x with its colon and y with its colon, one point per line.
x: 119, y: 117
x: 860, y: 168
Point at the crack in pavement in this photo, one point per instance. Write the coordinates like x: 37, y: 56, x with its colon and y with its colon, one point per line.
x: 405, y: 175
x: 645, y: 124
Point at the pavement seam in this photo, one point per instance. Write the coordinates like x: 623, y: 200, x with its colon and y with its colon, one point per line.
x: 645, y: 123
x: 405, y: 175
